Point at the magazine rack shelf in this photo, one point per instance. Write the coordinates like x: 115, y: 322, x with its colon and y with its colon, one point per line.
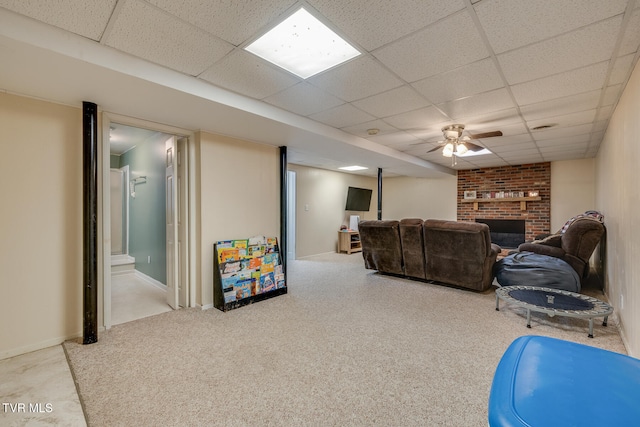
x: 246, y: 271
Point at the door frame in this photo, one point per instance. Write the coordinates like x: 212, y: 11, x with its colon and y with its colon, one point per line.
x: 104, y: 217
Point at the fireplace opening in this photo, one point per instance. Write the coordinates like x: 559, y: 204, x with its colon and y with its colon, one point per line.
x: 506, y: 233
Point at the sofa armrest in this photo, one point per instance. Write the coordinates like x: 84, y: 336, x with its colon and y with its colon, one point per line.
x: 542, y: 249
x: 552, y: 240
x: 495, y: 249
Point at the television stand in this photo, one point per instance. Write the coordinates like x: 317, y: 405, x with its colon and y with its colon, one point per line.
x: 349, y: 242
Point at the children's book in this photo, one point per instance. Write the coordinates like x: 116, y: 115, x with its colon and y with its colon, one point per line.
x: 243, y: 288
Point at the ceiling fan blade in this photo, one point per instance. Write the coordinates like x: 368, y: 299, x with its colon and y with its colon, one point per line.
x: 433, y: 149
x: 473, y: 147
x: 485, y: 135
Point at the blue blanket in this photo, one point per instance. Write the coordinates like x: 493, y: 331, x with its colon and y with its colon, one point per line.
x: 530, y: 269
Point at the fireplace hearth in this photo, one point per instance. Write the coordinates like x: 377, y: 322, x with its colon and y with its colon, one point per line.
x: 506, y: 233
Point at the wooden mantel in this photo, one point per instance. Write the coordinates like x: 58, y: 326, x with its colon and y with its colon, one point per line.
x: 523, y: 201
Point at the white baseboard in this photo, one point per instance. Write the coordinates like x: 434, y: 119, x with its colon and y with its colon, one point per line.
x: 150, y: 280
x: 12, y: 352
x: 205, y: 307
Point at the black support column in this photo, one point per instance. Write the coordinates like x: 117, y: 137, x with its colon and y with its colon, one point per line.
x: 90, y: 221
x: 379, y: 193
x: 284, y: 235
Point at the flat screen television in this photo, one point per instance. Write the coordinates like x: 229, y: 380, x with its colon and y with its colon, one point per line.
x: 358, y: 199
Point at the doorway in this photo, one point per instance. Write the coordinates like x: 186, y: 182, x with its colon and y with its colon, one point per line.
x: 291, y: 215
x: 135, y: 212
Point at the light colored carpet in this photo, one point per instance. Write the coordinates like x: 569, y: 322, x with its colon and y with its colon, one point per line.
x: 345, y: 346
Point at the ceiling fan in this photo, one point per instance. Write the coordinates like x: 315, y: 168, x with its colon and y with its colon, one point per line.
x: 456, y: 144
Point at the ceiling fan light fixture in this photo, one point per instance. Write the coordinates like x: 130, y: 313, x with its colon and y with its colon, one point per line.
x: 461, y: 149
x: 447, y: 151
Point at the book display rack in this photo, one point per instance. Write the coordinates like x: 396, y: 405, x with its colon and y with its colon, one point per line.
x: 246, y: 271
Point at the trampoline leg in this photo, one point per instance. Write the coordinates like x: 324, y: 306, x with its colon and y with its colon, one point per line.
x: 528, y: 318
x: 497, y: 303
x: 591, y: 328
x: 604, y: 322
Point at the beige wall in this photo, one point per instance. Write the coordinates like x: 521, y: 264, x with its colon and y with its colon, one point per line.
x: 572, y: 190
x: 239, y: 197
x: 618, y: 197
x: 321, y: 196
x: 407, y: 197
x: 41, y: 214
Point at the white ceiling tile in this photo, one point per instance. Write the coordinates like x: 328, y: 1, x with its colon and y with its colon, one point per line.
x: 500, y: 142
x: 303, y: 99
x: 87, y: 18
x: 478, y: 104
x: 357, y: 79
x: 510, y: 24
x: 342, y: 116
x: 631, y: 38
x: 431, y: 134
x: 621, y: 69
x: 394, y: 139
x: 234, y: 21
x: 247, y: 74
x: 599, y: 126
x: 567, y: 120
x: 564, y: 142
x: 611, y: 94
x: 494, y: 120
x: 145, y: 31
x: 389, y: 20
x: 525, y: 160
x: 563, y: 84
x: 511, y: 154
x: 362, y: 129
x: 418, y: 119
x: 440, y: 49
x: 392, y: 102
x: 506, y: 148
x: 561, y: 132
x: 604, y: 113
x: 569, y: 51
x: 481, y: 76
x: 562, y: 106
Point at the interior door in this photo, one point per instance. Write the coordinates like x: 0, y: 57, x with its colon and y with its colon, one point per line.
x: 172, y: 227
x: 183, y: 271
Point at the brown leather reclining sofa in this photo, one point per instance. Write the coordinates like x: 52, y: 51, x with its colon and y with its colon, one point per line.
x: 449, y: 252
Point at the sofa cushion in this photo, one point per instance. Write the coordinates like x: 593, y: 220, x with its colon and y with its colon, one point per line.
x: 412, y: 239
x: 459, y: 253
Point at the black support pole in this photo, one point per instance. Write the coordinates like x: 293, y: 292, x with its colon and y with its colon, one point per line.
x: 379, y: 193
x: 283, y: 208
x: 90, y: 221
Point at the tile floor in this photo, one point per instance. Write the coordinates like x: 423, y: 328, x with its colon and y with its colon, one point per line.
x: 37, y: 389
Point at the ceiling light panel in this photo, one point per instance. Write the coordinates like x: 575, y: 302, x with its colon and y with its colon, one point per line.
x: 303, y: 45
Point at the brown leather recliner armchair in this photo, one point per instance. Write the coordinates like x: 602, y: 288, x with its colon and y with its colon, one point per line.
x: 575, y: 245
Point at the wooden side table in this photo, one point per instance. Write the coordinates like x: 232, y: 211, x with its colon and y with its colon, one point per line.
x: 349, y: 242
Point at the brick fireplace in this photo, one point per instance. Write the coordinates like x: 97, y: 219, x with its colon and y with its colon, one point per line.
x: 503, y: 193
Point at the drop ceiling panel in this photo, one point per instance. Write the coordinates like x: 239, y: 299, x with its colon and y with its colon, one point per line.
x: 510, y: 24
x: 562, y: 84
x: 631, y: 37
x: 303, y: 99
x: 87, y: 18
x: 562, y: 132
x: 563, y: 142
x: 444, y: 46
x: 461, y: 82
x: 392, y: 102
x: 566, y: 120
x: 145, y: 31
x: 478, y: 104
x: 357, y: 79
x: 234, y: 21
x: 418, y: 119
x: 562, y: 106
x: 362, y: 129
x: 389, y: 19
x: 567, y: 52
x: 342, y: 116
x: 249, y: 75
x: 621, y: 69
